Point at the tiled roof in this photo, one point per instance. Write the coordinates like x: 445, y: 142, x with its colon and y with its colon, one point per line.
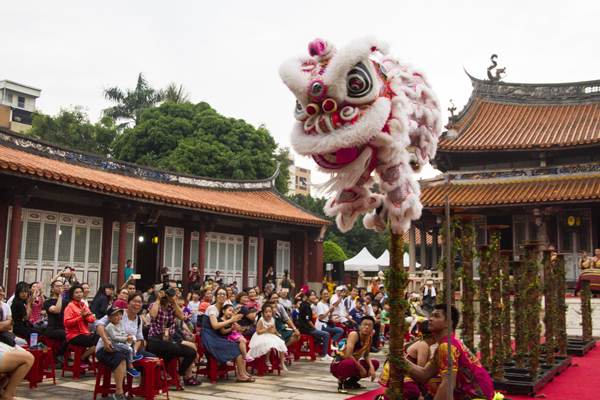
x: 497, y: 125
x: 264, y: 204
x: 511, y: 192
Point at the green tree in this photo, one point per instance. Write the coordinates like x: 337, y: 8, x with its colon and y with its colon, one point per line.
x: 174, y: 93
x: 332, y: 252
x: 71, y: 127
x: 351, y: 242
x: 195, y: 139
x: 129, y: 104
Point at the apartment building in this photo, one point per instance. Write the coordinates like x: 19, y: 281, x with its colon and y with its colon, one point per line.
x: 299, y: 178
x: 17, y: 102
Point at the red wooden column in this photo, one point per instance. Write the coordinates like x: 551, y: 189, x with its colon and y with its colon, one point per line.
x: 3, y: 231
x: 105, y: 263
x: 187, y: 248
x: 316, y: 261
x: 122, y: 250
x: 13, y: 249
x: 305, y: 261
x: 293, y: 268
x: 259, y: 260
x: 245, y: 261
x: 201, y: 252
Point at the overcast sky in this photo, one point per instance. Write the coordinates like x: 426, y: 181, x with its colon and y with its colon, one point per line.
x: 227, y: 53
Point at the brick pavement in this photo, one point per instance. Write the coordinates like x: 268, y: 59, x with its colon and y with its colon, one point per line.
x: 304, y: 381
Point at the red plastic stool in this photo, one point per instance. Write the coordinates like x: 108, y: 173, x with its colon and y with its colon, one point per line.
x: 212, y: 370
x: 52, y: 344
x: 344, y: 327
x: 259, y: 364
x: 76, y: 367
x: 172, y: 370
x: 305, y: 340
x: 43, y: 367
x: 151, y: 385
x: 103, y: 386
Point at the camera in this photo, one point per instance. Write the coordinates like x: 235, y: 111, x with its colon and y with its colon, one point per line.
x: 285, y: 272
x: 169, y: 291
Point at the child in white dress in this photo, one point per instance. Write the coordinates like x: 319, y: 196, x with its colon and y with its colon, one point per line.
x: 266, y: 338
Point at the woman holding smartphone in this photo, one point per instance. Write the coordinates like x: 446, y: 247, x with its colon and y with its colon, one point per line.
x: 66, y: 276
x: 21, y: 312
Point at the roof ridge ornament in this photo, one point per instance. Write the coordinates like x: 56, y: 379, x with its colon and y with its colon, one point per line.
x: 452, y: 109
x: 499, y: 71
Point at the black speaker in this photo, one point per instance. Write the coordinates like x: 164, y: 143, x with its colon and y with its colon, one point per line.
x: 337, y: 273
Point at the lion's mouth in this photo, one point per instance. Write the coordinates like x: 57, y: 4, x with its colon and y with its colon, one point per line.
x: 339, y: 158
x: 327, y: 123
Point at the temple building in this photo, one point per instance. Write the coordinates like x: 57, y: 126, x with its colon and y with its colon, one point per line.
x: 91, y: 213
x: 526, y: 156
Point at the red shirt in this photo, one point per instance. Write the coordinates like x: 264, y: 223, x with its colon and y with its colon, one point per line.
x: 74, y: 324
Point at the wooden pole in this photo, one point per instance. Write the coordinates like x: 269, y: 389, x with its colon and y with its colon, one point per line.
x: 532, y: 288
x: 201, y: 252
x: 506, y: 342
x: 497, y: 365
x: 14, y: 253
x: 187, y: 251
x: 468, y: 313
x: 586, y: 310
x: 484, y: 307
x: 449, y: 298
x: 448, y: 252
x: 396, y: 279
x: 519, y: 310
x: 560, y: 280
x: 122, y: 257
x: 549, y: 306
x: 3, y: 234
x: 107, y: 235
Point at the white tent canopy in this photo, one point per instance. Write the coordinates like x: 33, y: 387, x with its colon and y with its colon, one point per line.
x: 384, y: 260
x: 363, y: 260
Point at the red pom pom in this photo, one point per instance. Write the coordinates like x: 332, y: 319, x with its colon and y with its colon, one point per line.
x: 312, y: 109
x: 329, y: 105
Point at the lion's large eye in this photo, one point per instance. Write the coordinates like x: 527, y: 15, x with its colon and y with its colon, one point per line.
x: 359, y: 82
x: 299, y: 112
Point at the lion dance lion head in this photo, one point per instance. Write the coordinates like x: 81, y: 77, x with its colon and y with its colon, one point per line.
x: 358, y: 112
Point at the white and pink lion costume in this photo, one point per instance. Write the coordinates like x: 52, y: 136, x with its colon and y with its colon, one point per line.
x: 359, y: 110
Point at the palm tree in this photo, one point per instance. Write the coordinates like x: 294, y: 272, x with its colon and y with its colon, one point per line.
x: 130, y: 104
x: 175, y: 94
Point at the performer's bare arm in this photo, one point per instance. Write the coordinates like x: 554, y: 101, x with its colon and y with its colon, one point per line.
x: 422, y: 374
x: 350, y: 343
x: 441, y: 393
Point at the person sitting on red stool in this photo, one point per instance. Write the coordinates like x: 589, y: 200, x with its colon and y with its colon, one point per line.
x: 347, y: 366
x: 77, y: 318
x: 55, y: 308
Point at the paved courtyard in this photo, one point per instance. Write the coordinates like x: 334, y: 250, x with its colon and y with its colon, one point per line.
x: 305, y: 381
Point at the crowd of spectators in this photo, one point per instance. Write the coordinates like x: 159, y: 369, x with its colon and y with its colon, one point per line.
x: 121, y: 325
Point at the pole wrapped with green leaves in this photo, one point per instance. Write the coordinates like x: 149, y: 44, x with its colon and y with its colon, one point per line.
x: 520, y: 310
x: 448, y: 268
x: 560, y: 279
x: 533, y: 306
x: 504, y: 265
x: 396, y: 279
x: 549, y: 306
x: 484, y: 306
x: 497, y: 364
x: 467, y: 333
x: 586, y: 310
